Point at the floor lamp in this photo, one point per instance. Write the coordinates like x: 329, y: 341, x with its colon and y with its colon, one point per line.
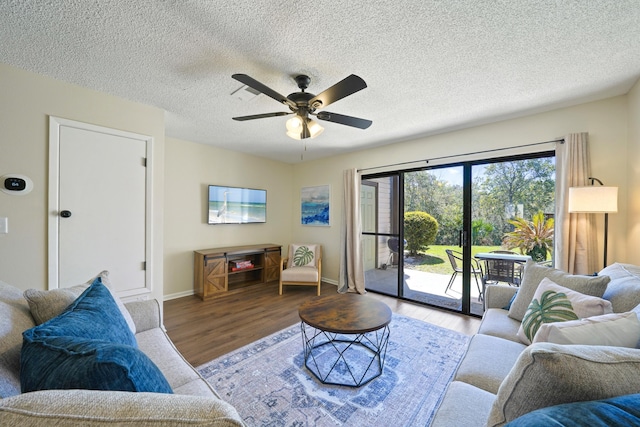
x: 593, y: 199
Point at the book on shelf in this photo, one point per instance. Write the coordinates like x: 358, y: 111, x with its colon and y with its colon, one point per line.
x: 240, y: 265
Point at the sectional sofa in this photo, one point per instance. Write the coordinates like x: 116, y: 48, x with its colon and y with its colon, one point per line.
x: 502, y: 378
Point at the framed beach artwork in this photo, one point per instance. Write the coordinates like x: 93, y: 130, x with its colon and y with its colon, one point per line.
x: 314, y: 205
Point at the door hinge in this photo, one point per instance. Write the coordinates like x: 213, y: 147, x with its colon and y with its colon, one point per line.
x: 144, y: 265
x: 144, y: 162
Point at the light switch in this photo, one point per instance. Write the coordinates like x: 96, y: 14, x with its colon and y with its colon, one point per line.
x: 4, y: 225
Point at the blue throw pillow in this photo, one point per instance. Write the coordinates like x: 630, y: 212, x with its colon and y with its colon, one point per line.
x: 93, y: 315
x: 88, y: 346
x: 617, y: 411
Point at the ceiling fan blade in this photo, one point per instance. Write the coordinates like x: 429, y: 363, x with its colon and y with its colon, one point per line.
x: 261, y: 116
x: 343, y: 88
x: 253, y: 83
x: 344, y: 120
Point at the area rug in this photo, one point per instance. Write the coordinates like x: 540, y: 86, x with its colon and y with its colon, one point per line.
x: 269, y: 385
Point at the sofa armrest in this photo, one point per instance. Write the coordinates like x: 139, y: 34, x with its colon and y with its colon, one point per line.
x: 145, y: 314
x: 108, y: 408
x: 498, y: 296
x: 549, y: 374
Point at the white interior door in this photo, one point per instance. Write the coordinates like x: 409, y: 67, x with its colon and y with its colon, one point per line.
x: 99, y: 214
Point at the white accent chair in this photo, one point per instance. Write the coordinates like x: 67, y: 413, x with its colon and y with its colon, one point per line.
x: 302, y: 266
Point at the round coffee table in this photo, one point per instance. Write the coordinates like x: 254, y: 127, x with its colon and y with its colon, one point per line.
x: 345, y: 338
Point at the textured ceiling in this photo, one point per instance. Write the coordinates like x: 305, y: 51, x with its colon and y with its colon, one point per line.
x: 430, y: 66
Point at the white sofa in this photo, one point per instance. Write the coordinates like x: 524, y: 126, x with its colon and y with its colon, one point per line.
x: 193, y: 403
x: 500, y: 378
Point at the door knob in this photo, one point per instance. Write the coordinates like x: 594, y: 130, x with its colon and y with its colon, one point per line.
x: 65, y: 214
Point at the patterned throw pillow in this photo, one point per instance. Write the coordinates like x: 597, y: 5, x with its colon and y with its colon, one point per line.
x: 304, y: 256
x: 554, y: 303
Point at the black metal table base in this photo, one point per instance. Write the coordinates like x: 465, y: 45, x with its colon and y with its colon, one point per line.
x: 327, y: 355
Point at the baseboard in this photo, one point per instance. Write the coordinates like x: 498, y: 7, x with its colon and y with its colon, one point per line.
x: 189, y: 293
x: 177, y: 295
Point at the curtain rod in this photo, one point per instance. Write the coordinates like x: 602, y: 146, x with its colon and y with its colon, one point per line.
x: 561, y: 141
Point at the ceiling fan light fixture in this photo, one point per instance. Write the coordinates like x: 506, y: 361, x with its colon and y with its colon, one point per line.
x: 294, y: 124
x: 295, y: 128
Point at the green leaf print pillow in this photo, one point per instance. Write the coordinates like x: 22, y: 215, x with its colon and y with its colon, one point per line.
x: 304, y: 255
x: 554, y: 303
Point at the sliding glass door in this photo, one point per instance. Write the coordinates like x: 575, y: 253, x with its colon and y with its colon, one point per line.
x: 426, y: 232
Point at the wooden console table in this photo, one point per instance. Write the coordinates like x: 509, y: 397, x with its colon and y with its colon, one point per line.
x: 219, y: 270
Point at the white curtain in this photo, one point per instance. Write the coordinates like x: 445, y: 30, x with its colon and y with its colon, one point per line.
x: 351, y: 263
x: 575, y: 246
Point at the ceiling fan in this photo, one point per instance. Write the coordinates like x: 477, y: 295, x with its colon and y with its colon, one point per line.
x: 303, y: 104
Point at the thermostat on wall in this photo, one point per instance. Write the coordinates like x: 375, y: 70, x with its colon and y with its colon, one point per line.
x: 16, y: 184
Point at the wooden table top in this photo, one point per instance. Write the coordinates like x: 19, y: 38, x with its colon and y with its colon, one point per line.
x: 345, y: 313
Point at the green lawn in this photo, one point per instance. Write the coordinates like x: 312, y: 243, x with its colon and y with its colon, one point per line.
x: 435, y: 260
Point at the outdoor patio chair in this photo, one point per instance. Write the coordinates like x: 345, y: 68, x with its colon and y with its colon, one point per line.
x: 476, y: 270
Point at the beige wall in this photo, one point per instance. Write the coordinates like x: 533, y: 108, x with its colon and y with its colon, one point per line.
x: 606, y: 122
x: 633, y: 191
x: 183, y: 169
x: 189, y: 169
x: 26, y: 102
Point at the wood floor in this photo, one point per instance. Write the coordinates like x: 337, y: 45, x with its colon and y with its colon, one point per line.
x: 204, y: 330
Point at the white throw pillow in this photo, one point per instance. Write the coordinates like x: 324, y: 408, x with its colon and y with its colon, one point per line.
x: 616, y: 329
x: 554, y: 303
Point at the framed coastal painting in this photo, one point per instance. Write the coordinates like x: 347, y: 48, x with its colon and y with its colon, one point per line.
x: 314, y: 205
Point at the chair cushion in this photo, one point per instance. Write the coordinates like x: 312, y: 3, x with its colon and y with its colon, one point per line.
x: 533, y: 275
x: 554, y: 303
x: 88, y: 346
x: 300, y: 274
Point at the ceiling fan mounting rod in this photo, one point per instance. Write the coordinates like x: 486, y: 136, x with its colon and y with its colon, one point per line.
x: 303, y: 81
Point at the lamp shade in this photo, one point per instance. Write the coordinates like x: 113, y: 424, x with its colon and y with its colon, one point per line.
x: 593, y: 199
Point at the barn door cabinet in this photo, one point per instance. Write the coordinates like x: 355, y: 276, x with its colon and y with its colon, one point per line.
x: 220, y: 270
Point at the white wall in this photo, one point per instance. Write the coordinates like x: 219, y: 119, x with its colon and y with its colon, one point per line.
x: 26, y: 102
x: 189, y: 169
x: 606, y: 122
x: 633, y: 192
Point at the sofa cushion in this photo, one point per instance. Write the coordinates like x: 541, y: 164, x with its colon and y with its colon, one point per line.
x: 616, y: 329
x: 617, y: 411
x: 533, y: 275
x: 554, y: 303
x: 487, y: 362
x: 463, y: 405
x: 181, y: 376
x: 496, y: 322
x: 549, y: 374
x: 16, y: 318
x: 624, y: 289
x: 46, y: 305
x: 88, y: 346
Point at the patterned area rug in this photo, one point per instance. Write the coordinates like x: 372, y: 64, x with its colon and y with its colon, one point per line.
x: 269, y: 385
